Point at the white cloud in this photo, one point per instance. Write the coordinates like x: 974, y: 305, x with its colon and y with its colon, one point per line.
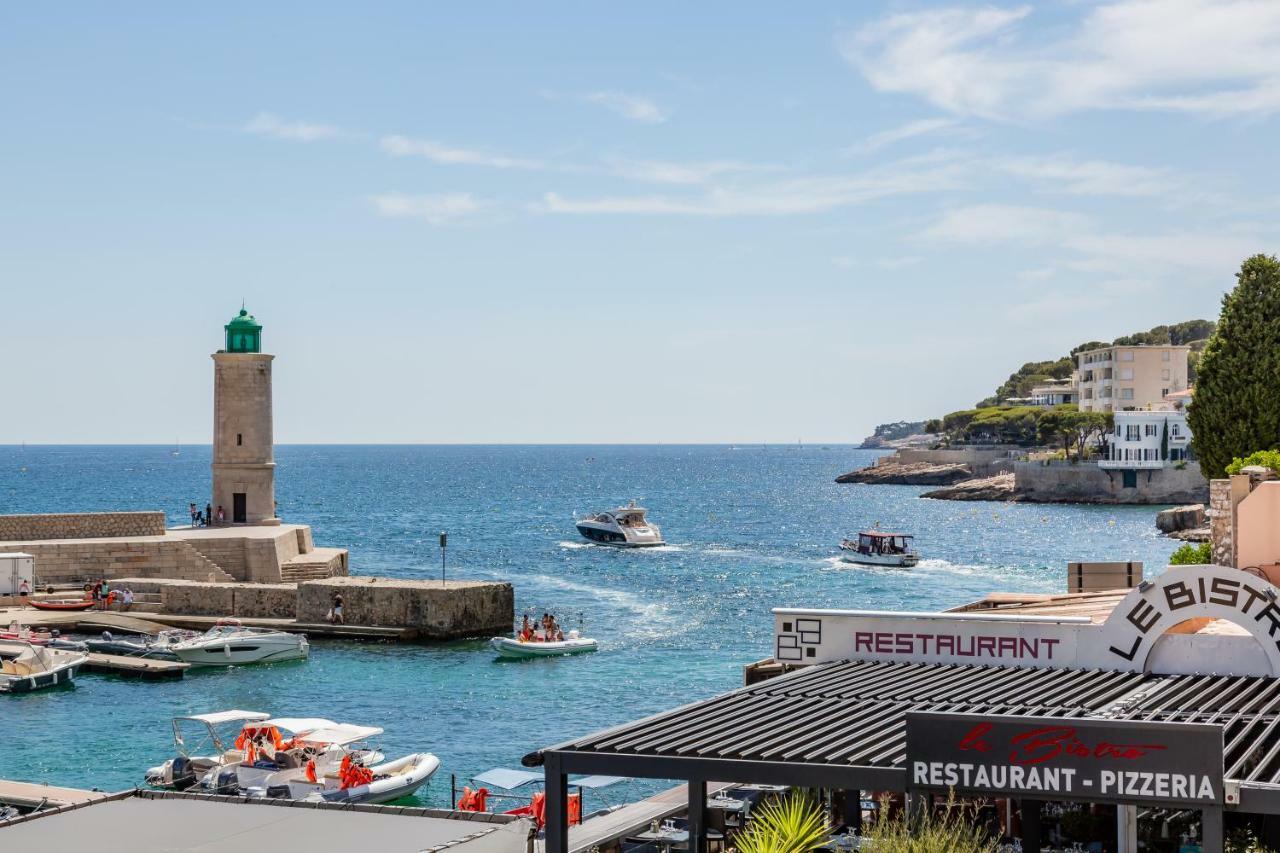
x: 437, y: 209
x: 666, y: 172
x: 1208, y: 57
x: 633, y: 107
x: 404, y: 146
x: 998, y: 223
x: 885, y: 138
x: 1064, y: 174
x: 268, y: 124
x: 897, y: 263
x: 1093, y: 249
x: 812, y: 194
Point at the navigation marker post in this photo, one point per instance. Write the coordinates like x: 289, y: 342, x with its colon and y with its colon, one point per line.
x: 444, y: 542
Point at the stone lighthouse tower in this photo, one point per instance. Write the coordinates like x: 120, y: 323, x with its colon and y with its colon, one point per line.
x: 244, y: 468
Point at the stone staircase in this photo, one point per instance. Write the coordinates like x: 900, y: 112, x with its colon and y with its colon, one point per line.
x: 297, y: 570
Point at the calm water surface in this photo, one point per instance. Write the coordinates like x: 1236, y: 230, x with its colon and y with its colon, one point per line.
x: 750, y: 528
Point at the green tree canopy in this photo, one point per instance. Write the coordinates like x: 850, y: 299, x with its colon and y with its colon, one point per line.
x: 1236, y: 410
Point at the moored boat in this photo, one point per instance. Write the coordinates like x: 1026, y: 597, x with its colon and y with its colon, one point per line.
x: 25, y: 667
x: 625, y: 527
x: 140, y: 645
x: 514, y: 647
x: 875, y: 548
x: 230, y: 642
x: 202, y: 744
x: 61, y: 603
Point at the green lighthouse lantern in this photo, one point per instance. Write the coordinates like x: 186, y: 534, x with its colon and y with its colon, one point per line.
x: 244, y: 334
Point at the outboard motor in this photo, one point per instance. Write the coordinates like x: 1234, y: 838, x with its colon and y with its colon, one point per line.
x: 278, y: 792
x: 226, y: 782
x: 182, y: 773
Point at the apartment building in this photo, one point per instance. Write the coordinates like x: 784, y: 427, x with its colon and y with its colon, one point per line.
x: 1128, y: 378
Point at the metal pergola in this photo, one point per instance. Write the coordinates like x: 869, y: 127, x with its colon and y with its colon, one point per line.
x: 841, y: 726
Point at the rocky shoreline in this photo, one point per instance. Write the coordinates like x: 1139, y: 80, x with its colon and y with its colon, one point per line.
x: 1000, y: 487
x: 910, y: 474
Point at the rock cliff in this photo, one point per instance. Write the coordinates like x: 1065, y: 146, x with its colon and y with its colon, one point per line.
x: 1001, y: 487
x: 910, y: 474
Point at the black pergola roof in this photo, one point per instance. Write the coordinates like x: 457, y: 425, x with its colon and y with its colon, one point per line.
x: 843, y: 723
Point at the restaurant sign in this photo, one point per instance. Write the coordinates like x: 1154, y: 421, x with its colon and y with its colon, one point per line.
x: 1066, y: 758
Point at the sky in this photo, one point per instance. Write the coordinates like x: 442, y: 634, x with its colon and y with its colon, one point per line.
x: 572, y: 222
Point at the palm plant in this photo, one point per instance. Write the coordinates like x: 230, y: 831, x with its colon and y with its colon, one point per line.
x: 791, y: 824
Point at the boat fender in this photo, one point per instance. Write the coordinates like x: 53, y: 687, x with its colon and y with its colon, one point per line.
x: 182, y: 773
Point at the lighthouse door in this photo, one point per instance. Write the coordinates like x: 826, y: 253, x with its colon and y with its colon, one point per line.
x: 238, y: 512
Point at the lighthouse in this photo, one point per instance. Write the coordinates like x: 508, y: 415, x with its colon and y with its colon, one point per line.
x: 244, y: 468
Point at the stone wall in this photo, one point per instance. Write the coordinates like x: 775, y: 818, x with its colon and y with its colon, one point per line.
x: 80, y: 525
x: 246, y: 600
x: 1221, y: 523
x: 1087, y: 483
x: 459, y: 609
x: 61, y: 563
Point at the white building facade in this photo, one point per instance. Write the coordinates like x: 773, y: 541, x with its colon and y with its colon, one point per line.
x: 1147, y: 439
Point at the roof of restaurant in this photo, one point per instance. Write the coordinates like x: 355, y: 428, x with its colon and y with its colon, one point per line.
x: 147, y: 821
x: 851, y: 714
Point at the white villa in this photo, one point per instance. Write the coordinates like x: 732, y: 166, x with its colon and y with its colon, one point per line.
x: 1147, y: 439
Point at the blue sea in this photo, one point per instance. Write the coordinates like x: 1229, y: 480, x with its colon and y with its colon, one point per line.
x: 749, y: 528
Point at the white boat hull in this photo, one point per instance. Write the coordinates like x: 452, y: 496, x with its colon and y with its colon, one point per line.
x: 619, y: 537
x: 224, y: 652
x: 902, y: 561
x: 509, y: 647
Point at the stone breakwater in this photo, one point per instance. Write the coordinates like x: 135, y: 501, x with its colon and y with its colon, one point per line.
x: 430, y: 610
x: 80, y: 525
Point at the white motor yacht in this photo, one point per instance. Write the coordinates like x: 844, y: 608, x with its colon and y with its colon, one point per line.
x: 625, y: 527
x: 25, y: 667
x: 874, y: 548
x: 229, y: 642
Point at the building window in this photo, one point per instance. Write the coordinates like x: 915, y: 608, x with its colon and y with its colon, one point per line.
x: 1150, y: 429
x: 1126, y: 355
x: 1166, y: 355
x: 1175, y: 430
x: 1126, y: 373
x: 1131, y: 433
x: 239, y: 439
x: 1164, y: 374
x: 1164, y: 392
x: 1126, y: 393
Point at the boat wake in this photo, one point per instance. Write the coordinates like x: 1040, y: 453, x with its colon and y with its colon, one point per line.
x: 656, y: 619
x: 574, y: 545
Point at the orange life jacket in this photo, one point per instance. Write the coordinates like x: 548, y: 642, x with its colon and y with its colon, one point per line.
x: 473, y: 801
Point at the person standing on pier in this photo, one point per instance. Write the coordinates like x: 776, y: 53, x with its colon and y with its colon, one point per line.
x: 208, y: 514
x: 195, y: 514
x: 335, y: 610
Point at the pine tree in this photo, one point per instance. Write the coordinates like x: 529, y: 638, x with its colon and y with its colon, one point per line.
x: 1236, y: 409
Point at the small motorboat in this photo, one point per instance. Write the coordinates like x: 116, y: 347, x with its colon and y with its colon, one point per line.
x: 325, y: 763
x: 875, y: 548
x: 230, y: 642
x: 625, y: 527
x: 25, y: 667
x: 202, y: 744
x: 61, y: 603
x: 140, y: 645
x: 514, y: 647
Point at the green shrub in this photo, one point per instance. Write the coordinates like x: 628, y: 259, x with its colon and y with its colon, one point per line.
x: 791, y: 824
x: 1192, y: 554
x: 954, y: 831
x: 1265, y: 458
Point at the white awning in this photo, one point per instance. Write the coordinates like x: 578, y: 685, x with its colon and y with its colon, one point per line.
x: 500, y: 777
x: 299, y: 725
x: 342, y: 733
x: 219, y: 717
